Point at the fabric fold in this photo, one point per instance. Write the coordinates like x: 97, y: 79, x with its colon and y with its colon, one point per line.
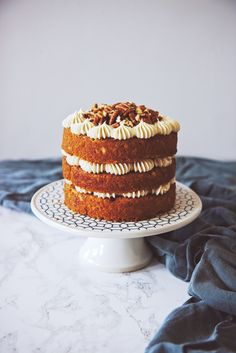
x: 203, y: 253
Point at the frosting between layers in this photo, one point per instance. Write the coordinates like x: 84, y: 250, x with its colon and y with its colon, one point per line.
x: 81, y: 126
x: 117, y: 168
x: 162, y: 189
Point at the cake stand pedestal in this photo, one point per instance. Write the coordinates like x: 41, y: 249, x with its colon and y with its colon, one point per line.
x: 115, y: 255
x: 113, y: 246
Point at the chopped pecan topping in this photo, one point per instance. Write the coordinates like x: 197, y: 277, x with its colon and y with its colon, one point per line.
x: 113, y: 114
x: 115, y: 125
x: 113, y: 117
x: 129, y: 123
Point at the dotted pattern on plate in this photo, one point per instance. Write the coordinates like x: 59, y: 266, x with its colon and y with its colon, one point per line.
x: 50, y: 203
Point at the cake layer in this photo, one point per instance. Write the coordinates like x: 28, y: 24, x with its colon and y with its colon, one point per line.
x: 118, y: 184
x: 162, y: 189
x: 120, y: 208
x: 141, y: 166
x: 118, y: 151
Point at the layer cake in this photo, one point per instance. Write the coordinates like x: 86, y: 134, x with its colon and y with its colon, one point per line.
x: 118, y: 162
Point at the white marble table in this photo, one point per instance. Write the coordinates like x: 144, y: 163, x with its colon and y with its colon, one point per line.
x: 49, y: 304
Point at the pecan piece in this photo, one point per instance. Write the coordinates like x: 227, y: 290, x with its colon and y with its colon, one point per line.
x: 132, y: 115
x: 99, y: 114
x: 147, y: 119
x: 101, y: 120
x: 113, y: 117
x: 122, y: 107
x: 142, y: 107
x: 115, y: 104
x: 129, y: 123
x: 96, y: 120
x: 108, y: 109
x: 128, y: 111
x: 95, y: 106
x: 115, y: 125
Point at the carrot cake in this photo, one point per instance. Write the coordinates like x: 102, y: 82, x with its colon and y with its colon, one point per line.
x: 118, y: 162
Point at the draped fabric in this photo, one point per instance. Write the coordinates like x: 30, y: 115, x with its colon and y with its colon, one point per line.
x: 203, y: 253
x: 19, y: 180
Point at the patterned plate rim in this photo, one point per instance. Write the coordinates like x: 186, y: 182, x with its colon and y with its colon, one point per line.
x: 47, y: 204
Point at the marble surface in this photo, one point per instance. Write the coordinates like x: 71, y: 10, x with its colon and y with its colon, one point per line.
x: 49, y: 303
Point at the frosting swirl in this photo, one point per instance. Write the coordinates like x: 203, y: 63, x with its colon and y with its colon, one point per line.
x: 162, y: 189
x: 72, y: 160
x: 117, y: 168
x: 67, y: 181
x: 75, y: 118
x: 122, y: 132
x: 100, y: 131
x: 163, y: 162
x: 66, y: 123
x: 167, y: 125
x: 81, y: 128
x: 80, y: 125
x: 144, y: 130
x: 78, y: 117
x: 145, y: 165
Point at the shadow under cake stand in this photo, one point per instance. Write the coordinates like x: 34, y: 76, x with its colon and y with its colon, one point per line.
x: 113, y: 246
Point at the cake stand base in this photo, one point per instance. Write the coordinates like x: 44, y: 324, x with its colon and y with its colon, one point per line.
x: 115, y: 255
x: 113, y: 246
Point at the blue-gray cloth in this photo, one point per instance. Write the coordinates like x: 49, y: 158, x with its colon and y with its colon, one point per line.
x: 203, y: 252
x: 19, y: 180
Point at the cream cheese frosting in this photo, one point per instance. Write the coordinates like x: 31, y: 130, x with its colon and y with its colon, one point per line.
x: 117, y: 168
x: 162, y: 189
x: 67, y: 181
x: 102, y: 131
x: 144, y: 130
x: 122, y: 132
x: 81, y: 126
x: 75, y: 118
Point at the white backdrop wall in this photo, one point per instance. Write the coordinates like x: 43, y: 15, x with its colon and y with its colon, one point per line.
x: 177, y: 56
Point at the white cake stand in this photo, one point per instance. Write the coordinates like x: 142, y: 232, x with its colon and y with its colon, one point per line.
x: 113, y: 246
